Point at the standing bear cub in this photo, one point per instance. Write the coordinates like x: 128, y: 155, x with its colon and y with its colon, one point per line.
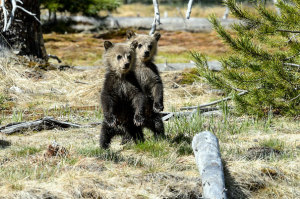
x: 149, y: 79
x: 122, y: 99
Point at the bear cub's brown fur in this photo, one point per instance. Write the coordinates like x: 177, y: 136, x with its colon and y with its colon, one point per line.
x: 149, y: 79
x: 122, y: 99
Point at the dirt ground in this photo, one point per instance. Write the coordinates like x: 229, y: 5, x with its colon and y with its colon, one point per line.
x: 87, y: 49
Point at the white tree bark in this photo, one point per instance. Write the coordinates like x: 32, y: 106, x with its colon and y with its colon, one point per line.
x: 156, y: 17
x: 207, y: 153
x: 7, y: 22
x: 189, y: 9
x: 226, y: 13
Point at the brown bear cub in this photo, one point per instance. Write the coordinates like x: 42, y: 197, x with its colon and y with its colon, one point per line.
x: 122, y: 99
x: 149, y: 79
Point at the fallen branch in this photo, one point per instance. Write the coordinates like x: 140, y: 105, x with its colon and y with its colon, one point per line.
x: 54, y: 57
x: 208, y: 159
x: 293, y: 37
x: 295, y: 98
x: 291, y: 31
x: 45, y: 123
x: 212, y: 103
x: 291, y: 64
x: 291, y: 57
x: 168, y: 115
x: 183, y: 89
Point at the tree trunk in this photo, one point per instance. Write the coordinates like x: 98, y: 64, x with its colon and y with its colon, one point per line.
x: 25, y: 34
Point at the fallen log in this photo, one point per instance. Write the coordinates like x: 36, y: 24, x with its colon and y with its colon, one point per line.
x: 45, y: 123
x: 168, y: 115
x: 212, y: 103
x: 208, y: 159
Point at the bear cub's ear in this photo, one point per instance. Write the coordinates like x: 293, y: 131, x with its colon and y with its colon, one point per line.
x: 130, y: 34
x: 156, y: 36
x: 133, y: 45
x: 107, y: 45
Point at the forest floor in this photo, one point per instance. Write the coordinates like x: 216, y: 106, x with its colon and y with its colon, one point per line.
x: 261, y: 155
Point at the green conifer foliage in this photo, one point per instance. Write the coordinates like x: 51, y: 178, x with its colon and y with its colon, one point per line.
x: 265, y: 59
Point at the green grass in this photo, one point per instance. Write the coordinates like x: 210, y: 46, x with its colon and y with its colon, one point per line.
x: 26, y: 151
x: 108, y: 155
x: 156, y: 148
x: 182, y: 57
x: 273, y: 143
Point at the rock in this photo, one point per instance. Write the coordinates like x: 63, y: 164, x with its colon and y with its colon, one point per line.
x: 216, y: 91
x: 15, y: 89
x: 215, y: 65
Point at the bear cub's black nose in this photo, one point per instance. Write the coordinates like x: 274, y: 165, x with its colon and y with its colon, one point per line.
x: 127, y: 66
x: 147, y: 54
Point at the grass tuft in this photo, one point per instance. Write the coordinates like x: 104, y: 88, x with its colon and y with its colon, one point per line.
x: 26, y: 151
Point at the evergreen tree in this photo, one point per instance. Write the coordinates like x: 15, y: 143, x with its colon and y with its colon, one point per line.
x: 263, y: 70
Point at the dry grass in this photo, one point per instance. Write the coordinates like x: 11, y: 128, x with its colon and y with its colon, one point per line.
x: 86, y: 49
x: 261, y: 156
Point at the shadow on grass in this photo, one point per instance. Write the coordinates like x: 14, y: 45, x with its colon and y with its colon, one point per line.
x: 4, y: 144
x: 234, y: 191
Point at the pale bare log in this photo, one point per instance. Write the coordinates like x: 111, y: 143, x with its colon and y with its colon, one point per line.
x: 189, y: 9
x: 212, y: 103
x: 41, y: 124
x: 208, y: 159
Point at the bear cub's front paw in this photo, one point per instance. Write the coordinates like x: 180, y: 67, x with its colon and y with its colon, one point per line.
x: 111, y: 120
x: 138, y: 120
x: 158, y: 107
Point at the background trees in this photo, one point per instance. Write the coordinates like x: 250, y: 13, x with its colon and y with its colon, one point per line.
x: 24, y: 36
x: 86, y: 7
x: 265, y: 59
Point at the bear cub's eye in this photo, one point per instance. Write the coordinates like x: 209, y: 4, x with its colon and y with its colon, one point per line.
x: 140, y: 45
x: 129, y: 57
x: 119, y: 57
x: 150, y: 46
